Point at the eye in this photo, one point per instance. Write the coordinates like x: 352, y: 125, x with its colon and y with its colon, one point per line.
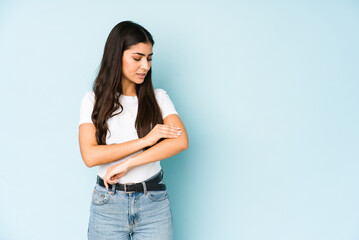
x: 150, y: 59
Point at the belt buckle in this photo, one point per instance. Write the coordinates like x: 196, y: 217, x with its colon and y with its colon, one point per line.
x: 125, y: 188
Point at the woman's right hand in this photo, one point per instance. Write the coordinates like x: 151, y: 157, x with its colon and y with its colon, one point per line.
x: 162, y: 131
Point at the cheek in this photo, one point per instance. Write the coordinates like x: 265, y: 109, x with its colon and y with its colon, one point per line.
x: 128, y: 66
x: 124, y: 64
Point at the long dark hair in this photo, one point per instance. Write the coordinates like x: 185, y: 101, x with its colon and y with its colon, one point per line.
x: 107, y: 86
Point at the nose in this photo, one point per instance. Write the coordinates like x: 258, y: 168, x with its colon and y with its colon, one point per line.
x: 145, y: 64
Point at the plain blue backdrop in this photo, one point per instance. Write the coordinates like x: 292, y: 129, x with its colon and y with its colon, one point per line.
x: 267, y: 90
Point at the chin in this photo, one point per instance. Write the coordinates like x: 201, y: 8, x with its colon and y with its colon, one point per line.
x: 139, y: 81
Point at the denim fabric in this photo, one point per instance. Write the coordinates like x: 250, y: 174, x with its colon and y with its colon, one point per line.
x: 137, y: 215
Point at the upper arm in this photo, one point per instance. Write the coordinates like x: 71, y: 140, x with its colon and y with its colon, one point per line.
x: 87, y: 130
x: 175, y: 120
x: 87, y: 139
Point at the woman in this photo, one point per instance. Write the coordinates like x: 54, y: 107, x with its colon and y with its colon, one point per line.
x: 126, y: 128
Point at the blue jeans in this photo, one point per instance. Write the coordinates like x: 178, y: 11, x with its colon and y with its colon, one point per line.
x: 138, y: 215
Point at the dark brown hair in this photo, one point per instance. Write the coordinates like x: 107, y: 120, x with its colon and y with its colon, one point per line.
x: 107, y: 86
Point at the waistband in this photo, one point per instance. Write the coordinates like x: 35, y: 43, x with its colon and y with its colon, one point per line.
x: 151, y: 184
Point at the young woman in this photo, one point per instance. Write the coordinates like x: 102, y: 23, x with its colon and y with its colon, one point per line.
x: 126, y: 128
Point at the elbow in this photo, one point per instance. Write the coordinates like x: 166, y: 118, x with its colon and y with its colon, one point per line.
x: 88, y: 155
x: 180, y: 146
x: 88, y: 162
x: 89, y: 165
x: 184, y: 146
x: 90, y: 158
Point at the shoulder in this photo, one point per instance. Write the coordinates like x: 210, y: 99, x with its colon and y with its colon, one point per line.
x: 89, y: 95
x: 159, y: 92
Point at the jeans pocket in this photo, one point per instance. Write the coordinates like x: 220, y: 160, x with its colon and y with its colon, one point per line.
x: 157, y: 196
x: 100, y: 195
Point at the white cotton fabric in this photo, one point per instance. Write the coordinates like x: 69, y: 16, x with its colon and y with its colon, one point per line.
x: 122, y: 129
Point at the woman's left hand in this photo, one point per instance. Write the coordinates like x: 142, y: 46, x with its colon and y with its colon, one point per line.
x: 115, y: 172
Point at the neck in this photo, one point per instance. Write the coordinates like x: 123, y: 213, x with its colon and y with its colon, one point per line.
x: 128, y: 88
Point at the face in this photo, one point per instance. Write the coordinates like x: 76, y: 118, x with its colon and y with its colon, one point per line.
x: 136, y: 62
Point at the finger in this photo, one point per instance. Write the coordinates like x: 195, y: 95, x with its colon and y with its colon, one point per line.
x: 115, y: 177
x: 168, y: 126
x: 171, y: 127
x: 172, y: 133
x: 105, y: 184
x: 113, y: 181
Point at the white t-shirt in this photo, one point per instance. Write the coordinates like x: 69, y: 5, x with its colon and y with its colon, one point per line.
x: 122, y: 128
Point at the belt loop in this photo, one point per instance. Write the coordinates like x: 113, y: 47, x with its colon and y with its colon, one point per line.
x: 144, y: 188
x: 114, y: 188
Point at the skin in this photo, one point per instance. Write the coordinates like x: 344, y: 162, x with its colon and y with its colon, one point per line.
x: 165, y: 149
x: 172, y: 129
x: 132, y: 64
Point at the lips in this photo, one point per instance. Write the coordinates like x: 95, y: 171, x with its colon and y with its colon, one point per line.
x: 141, y: 75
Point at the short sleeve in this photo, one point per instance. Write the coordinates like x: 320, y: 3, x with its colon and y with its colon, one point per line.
x: 86, y: 108
x: 165, y: 103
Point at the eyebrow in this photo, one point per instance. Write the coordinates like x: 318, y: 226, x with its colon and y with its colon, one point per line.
x: 142, y: 54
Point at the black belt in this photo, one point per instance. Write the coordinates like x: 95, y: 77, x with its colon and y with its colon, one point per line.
x: 151, y: 185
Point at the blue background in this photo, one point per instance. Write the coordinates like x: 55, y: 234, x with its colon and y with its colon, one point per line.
x: 267, y: 90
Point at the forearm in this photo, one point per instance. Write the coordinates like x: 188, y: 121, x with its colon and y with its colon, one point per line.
x: 101, y: 154
x: 162, y: 150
